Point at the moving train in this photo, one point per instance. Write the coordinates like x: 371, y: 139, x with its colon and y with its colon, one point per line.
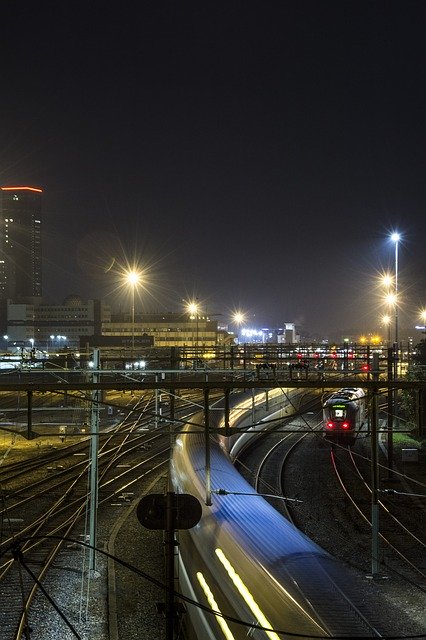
x: 245, y: 561
x: 344, y: 415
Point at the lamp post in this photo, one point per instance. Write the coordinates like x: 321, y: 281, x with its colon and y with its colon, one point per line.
x: 238, y: 319
x: 423, y: 318
x: 386, y: 320
x: 193, y: 309
x: 133, y: 279
x: 59, y: 338
x: 395, y: 237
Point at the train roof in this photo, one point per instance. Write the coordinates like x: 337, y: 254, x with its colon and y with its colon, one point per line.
x: 347, y: 394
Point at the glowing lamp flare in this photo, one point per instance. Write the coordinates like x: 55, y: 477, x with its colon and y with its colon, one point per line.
x: 133, y: 277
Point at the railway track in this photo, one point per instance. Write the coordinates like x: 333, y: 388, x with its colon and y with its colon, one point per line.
x: 402, y: 539
x: 36, y: 515
x: 263, y: 461
x: 299, y: 468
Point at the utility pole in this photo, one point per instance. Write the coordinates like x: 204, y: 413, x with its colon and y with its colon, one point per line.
x: 390, y: 408
x: 207, y: 443
x: 94, y: 448
x: 375, y: 475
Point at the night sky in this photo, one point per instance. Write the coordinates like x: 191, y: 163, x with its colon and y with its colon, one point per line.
x: 253, y: 155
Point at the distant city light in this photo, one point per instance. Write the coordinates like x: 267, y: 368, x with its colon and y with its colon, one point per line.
x: 252, y: 333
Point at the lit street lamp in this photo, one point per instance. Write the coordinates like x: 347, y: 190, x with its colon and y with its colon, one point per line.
x: 387, y: 280
x: 59, y: 338
x: 193, y: 309
x: 393, y: 396
x: 133, y: 278
x: 395, y: 237
x: 386, y: 321
x: 423, y: 319
x: 238, y: 319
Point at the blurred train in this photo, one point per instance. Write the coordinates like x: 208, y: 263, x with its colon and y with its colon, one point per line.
x: 245, y: 561
x: 344, y: 415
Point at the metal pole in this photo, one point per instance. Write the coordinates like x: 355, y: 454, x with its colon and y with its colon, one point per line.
x: 253, y: 408
x: 29, y: 414
x: 227, y: 409
x: 374, y: 477
x: 207, y: 438
x: 196, y: 341
x: 156, y: 403
x: 94, y: 447
x: 133, y: 319
x: 390, y: 415
x: 396, y: 293
x: 170, y: 576
x: 172, y: 401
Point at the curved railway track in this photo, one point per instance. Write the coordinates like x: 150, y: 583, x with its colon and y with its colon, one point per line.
x: 299, y: 469
x: 263, y: 459
x: 396, y: 538
x: 56, y: 504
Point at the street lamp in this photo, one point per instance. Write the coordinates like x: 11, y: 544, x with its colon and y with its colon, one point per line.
x: 395, y: 237
x: 423, y: 319
x: 387, y: 280
x: 193, y: 309
x: 132, y: 279
x: 238, y: 319
x: 386, y: 321
x: 393, y: 395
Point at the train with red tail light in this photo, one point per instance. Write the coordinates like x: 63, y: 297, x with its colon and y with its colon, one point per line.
x: 344, y: 415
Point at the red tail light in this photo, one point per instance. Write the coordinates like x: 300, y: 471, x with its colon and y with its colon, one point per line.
x: 330, y: 425
x: 345, y: 425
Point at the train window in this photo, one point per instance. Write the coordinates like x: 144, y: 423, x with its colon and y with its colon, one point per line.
x: 338, y: 412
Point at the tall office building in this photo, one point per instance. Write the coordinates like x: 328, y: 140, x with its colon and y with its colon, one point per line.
x: 20, y: 244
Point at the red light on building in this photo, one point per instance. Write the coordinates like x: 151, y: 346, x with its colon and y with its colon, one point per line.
x: 22, y: 189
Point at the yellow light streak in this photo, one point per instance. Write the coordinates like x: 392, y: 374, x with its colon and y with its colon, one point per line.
x: 213, y: 605
x: 245, y: 593
x: 235, y: 412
